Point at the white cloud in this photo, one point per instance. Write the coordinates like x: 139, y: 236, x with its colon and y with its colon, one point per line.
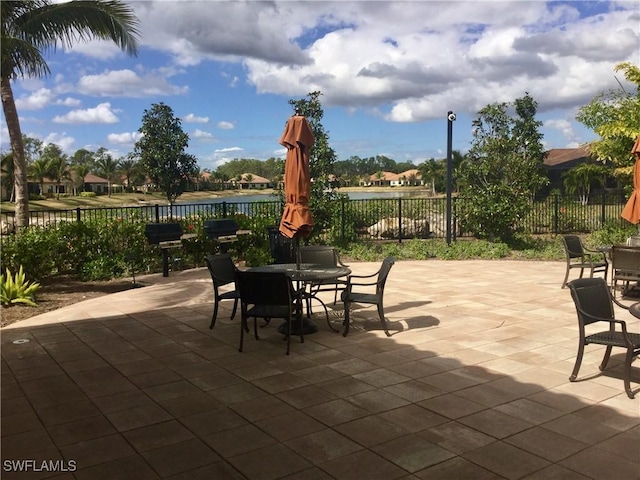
x: 201, y: 135
x: 127, y: 83
x: 69, y: 102
x: 191, y: 118
x: 126, y: 138
x: 100, y: 114
x: 37, y: 100
x: 64, y: 141
x: 228, y: 150
x: 225, y: 125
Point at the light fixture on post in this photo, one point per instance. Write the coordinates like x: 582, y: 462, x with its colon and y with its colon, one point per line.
x: 451, y: 117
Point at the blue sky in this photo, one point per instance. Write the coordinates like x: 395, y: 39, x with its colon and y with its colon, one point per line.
x: 388, y: 71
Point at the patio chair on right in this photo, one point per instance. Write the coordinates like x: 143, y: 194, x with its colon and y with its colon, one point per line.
x: 367, y: 282
x: 594, y: 305
x: 582, y: 258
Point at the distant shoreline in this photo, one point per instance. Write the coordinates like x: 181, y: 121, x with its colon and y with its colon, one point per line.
x: 136, y: 199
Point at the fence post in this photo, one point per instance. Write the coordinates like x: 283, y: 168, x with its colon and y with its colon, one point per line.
x: 604, y: 210
x: 556, y: 212
x: 399, y: 220
x: 78, y: 214
x: 157, y: 207
x: 224, y: 209
x: 343, y: 219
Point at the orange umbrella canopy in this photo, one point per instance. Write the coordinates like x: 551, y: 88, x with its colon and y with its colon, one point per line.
x: 631, y: 211
x: 298, y: 139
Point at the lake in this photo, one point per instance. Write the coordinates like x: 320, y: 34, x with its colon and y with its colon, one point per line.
x: 273, y: 198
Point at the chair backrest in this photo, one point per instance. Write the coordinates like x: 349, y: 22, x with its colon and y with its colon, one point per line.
x: 592, y: 299
x: 324, y: 255
x: 264, y: 288
x: 383, y: 273
x: 221, y: 268
x: 280, y: 247
x: 625, y: 258
x: 572, y: 246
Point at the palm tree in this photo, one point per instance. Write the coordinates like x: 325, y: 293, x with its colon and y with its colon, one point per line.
x: 6, y: 166
x: 107, y: 166
x: 128, y: 168
x: 31, y: 29
x: 81, y: 170
x: 58, y: 168
x: 39, y: 170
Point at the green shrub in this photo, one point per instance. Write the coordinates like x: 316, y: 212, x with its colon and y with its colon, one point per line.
x: 88, y: 194
x: 16, y: 289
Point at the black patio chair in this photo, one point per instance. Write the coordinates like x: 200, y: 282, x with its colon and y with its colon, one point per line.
x: 266, y: 295
x: 223, y: 272
x: 594, y: 304
x: 281, y: 248
x: 625, y: 267
x: 325, y: 256
x: 367, y: 283
x: 582, y: 258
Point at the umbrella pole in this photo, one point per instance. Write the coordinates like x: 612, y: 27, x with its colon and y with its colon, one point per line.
x: 296, y: 251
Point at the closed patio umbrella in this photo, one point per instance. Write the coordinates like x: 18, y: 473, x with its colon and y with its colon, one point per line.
x: 297, y: 221
x: 631, y: 211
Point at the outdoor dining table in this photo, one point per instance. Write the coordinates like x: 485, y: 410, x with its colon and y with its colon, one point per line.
x: 303, y: 275
x: 635, y: 309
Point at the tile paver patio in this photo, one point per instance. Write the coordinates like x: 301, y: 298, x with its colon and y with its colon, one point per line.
x: 473, y: 383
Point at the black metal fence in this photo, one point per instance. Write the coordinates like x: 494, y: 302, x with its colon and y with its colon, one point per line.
x: 398, y: 218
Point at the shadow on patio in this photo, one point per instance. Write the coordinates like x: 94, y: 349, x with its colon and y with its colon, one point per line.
x: 472, y: 384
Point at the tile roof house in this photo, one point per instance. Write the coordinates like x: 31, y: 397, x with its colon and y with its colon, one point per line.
x: 410, y: 177
x: 560, y: 160
x: 252, y: 181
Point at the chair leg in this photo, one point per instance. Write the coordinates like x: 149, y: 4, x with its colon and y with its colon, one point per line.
x: 243, y: 327
x: 235, y: 306
x: 627, y: 372
x: 382, y: 319
x: 288, y: 334
x: 605, y: 359
x: 214, y: 316
x: 576, y: 367
x: 346, y: 319
x: 566, y: 277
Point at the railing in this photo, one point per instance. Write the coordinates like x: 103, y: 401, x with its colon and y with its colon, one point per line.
x: 396, y: 219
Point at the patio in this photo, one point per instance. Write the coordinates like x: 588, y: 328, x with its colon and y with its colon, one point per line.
x: 472, y: 384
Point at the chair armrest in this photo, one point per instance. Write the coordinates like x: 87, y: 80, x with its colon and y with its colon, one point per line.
x: 612, y: 322
x: 592, y: 253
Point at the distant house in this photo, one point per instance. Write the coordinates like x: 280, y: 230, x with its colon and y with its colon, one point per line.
x: 92, y: 183
x: 380, y: 179
x: 410, y: 178
x: 252, y: 181
x: 560, y: 160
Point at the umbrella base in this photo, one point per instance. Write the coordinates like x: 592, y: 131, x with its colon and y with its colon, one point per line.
x: 308, y: 327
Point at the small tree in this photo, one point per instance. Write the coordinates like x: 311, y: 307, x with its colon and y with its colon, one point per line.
x: 57, y: 165
x: 161, y: 151
x: 579, y: 180
x: 39, y: 170
x: 128, y: 167
x: 107, y: 167
x: 502, y: 170
x: 615, y: 116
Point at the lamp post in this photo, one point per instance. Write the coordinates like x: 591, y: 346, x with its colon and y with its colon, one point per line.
x: 451, y: 117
